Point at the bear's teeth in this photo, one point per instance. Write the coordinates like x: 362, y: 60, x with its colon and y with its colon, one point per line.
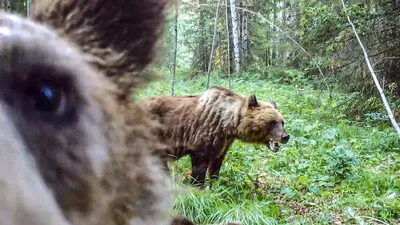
x: 271, y: 145
x: 276, y: 147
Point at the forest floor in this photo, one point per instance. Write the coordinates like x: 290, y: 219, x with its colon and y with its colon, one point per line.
x: 334, y: 170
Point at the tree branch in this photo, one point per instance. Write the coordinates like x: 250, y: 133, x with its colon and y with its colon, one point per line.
x: 378, y: 86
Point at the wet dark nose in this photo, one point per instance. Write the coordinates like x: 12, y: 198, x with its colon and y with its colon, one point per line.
x: 285, y: 139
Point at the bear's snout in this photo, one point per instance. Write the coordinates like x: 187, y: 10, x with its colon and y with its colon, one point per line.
x: 285, y: 139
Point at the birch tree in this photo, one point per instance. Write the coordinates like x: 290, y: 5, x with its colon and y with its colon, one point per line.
x: 244, y: 35
x: 236, y: 49
x: 374, y: 77
x: 28, y: 4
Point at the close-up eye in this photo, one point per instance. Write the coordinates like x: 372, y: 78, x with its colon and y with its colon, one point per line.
x: 43, y: 89
x: 45, y: 96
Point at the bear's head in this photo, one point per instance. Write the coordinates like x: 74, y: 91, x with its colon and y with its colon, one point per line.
x: 74, y: 149
x: 262, y: 123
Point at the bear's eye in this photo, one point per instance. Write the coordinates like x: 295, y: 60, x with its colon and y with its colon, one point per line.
x: 42, y: 91
x: 271, y: 125
x: 45, y: 96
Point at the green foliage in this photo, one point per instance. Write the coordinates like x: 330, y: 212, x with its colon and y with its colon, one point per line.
x: 325, y: 32
x: 317, y: 21
x: 17, y: 6
x: 285, y: 76
x: 320, y: 27
x: 332, y: 171
x: 322, y: 23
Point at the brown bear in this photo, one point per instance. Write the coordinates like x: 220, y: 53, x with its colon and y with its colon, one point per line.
x: 71, y: 152
x: 204, y: 126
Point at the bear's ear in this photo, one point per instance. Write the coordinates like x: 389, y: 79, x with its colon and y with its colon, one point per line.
x: 118, y: 37
x: 252, y: 101
x: 273, y: 104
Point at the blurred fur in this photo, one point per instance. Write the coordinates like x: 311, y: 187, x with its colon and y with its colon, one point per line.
x: 89, y: 161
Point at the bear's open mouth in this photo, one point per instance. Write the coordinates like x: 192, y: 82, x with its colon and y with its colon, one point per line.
x: 274, y: 146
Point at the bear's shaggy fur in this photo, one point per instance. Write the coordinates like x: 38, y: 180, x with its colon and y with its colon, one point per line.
x: 71, y: 150
x: 204, y: 126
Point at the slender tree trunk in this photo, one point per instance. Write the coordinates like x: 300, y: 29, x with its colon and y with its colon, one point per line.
x: 28, y: 4
x: 202, y: 44
x: 274, y: 32
x: 236, y: 50
x: 232, y: 61
x: 199, y: 61
x: 374, y: 77
x: 244, y: 37
x: 283, y: 13
x: 239, y: 19
x: 228, y: 54
x: 213, y: 44
x: 175, y: 50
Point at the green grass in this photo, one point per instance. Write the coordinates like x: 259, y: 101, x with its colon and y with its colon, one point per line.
x: 334, y: 170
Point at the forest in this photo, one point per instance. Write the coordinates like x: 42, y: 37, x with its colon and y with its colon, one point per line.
x: 342, y: 163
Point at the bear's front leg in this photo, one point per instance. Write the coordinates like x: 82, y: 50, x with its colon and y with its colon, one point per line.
x: 200, y: 161
x: 215, y: 166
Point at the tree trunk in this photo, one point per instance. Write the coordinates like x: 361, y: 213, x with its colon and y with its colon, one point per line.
x: 274, y: 32
x: 200, y: 61
x: 235, y: 36
x: 240, y: 25
x: 228, y: 54
x: 374, y: 77
x: 28, y: 4
x: 244, y: 36
x: 283, y: 12
x: 229, y: 24
x: 175, y: 50
x: 213, y: 45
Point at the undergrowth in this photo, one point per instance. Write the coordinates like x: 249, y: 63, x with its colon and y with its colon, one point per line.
x: 334, y: 170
